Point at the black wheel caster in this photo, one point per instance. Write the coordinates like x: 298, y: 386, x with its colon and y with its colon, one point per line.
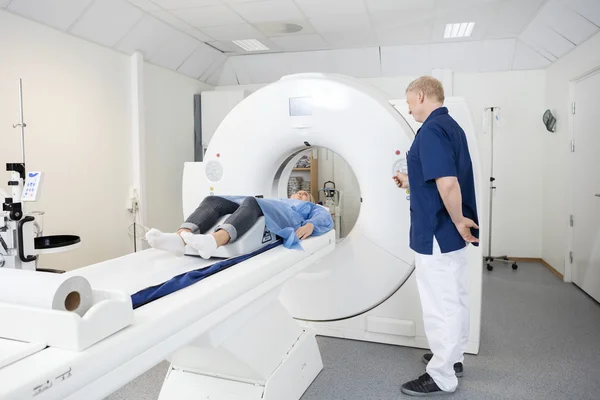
x: 515, y: 266
x: 490, y: 267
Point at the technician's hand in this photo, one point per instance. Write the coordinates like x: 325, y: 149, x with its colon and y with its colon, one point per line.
x: 401, y: 180
x: 464, y: 228
x: 305, y: 231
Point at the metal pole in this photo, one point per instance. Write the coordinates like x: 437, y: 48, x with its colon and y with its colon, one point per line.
x: 22, y: 122
x: 491, y: 181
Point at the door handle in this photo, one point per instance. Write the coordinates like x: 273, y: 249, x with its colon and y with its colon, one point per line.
x: 597, y: 195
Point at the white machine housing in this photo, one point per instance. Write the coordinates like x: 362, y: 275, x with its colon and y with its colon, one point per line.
x: 366, y: 288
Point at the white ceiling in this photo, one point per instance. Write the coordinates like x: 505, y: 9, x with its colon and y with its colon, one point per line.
x: 396, y: 36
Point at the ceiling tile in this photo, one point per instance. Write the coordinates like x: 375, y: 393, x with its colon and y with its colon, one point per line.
x: 527, y: 58
x: 388, y: 19
x: 407, y: 34
x: 174, y: 51
x: 180, y: 24
x: 148, y: 35
x: 300, y: 43
x: 541, y: 37
x: 341, y: 23
x: 241, y: 67
x: 271, y: 29
x: 107, y: 21
x: 512, y: 18
x: 590, y: 9
x: 567, y: 22
x: 341, y: 40
x: 228, y: 75
x: 145, y: 5
x: 57, y: 13
x: 315, y: 8
x: 270, y: 10
x: 233, y: 32
x: 496, y: 55
x: 462, y: 57
x: 215, y: 76
x: 399, y: 5
x: 208, y: 16
x: 226, y: 46
x: 179, y: 4
x: 217, y: 65
x: 196, y: 33
x: 405, y: 60
x: 200, y: 60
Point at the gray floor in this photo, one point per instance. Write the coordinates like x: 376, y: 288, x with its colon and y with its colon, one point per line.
x: 540, y: 340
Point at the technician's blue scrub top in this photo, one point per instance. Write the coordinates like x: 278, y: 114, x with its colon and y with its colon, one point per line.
x: 439, y: 150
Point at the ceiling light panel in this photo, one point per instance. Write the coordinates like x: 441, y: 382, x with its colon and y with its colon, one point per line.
x: 250, y: 45
x: 459, y: 30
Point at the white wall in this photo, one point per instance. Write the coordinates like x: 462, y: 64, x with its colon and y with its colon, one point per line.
x: 169, y: 127
x: 518, y: 149
x: 77, y: 110
x: 76, y: 99
x: 556, y: 148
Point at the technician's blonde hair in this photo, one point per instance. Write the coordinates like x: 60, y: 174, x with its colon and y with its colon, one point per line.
x: 430, y: 86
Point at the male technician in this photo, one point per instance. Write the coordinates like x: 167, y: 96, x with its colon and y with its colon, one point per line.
x: 443, y: 216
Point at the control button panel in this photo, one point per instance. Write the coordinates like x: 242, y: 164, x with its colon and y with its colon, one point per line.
x: 33, y: 186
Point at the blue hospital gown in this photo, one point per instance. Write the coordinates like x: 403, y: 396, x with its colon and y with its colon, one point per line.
x: 284, y: 216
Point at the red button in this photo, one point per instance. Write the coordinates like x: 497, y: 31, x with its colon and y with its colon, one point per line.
x: 218, y: 154
x: 397, y: 152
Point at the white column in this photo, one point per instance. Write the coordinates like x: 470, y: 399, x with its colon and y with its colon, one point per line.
x: 138, y: 145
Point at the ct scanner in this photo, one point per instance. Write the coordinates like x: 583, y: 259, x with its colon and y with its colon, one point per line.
x: 366, y: 288
x: 248, y: 332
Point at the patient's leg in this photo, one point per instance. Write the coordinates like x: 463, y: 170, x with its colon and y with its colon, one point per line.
x: 235, y: 226
x: 208, y: 213
x: 201, y: 220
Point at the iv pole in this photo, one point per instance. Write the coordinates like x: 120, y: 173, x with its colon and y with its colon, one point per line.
x: 22, y: 123
x: 489, y: 259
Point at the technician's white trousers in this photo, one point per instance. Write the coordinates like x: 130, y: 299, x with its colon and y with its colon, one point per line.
x: 442, y: 280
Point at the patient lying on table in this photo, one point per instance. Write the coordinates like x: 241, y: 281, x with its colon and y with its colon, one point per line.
x: 292, y: 219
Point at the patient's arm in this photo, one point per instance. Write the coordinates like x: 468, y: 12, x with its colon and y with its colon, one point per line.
x: 321, y: 220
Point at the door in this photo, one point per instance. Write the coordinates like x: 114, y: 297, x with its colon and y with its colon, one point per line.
x: 586, y: 187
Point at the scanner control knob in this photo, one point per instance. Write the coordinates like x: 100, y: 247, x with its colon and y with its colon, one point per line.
x: 401, y: 166
x: 214, y: 171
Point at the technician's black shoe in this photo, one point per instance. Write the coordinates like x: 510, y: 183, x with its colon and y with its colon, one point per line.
x: 423, y: 387
x: 458, y: 367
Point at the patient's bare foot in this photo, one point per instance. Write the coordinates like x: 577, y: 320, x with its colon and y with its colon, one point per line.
x: 170, y: 242
x: 206, y: 245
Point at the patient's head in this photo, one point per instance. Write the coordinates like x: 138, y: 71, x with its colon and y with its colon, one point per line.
x: 302, y: 195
